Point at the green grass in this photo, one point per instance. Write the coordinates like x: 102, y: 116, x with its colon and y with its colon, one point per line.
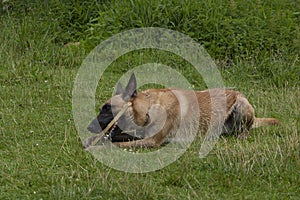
x: 255, y: 44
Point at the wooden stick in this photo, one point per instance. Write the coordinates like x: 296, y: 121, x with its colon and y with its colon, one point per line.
x: 115, y: 119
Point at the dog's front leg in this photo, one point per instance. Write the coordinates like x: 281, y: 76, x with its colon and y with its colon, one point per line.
x: 153, y: 141
x: 144, y: 143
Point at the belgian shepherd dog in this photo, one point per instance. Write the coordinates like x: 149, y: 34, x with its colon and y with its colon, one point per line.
x: 156, y: 114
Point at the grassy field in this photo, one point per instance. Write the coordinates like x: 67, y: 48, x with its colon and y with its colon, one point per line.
x: 256, y: 45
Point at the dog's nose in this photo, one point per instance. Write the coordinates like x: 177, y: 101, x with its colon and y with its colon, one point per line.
x: 94, y: 126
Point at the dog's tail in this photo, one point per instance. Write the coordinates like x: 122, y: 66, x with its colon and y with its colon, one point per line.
x: 258, y: 122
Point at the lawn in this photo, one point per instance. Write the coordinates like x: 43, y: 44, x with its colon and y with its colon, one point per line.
x: 254, y: 44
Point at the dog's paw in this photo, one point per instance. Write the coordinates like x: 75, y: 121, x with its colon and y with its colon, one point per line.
x: 88, y: 141
x: 243, y: 136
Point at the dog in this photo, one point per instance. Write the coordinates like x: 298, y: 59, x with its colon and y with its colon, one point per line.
x: 154, y: 115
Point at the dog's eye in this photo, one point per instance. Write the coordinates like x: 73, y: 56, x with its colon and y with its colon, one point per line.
x: 106, y: 107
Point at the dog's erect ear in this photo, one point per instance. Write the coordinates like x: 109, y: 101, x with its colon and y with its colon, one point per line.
x: 119, y: 89
x: 130, y: 90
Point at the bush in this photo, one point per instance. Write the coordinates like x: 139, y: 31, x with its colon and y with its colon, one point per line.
x: 230, y: 29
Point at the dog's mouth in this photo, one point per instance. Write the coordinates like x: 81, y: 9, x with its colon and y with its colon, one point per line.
x: 113, y: 131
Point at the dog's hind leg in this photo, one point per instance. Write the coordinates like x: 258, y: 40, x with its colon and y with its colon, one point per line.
x: 247, y: 117
x: 240, y: 119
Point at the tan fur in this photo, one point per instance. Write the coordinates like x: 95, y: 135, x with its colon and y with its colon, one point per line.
x: 163, y: 110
